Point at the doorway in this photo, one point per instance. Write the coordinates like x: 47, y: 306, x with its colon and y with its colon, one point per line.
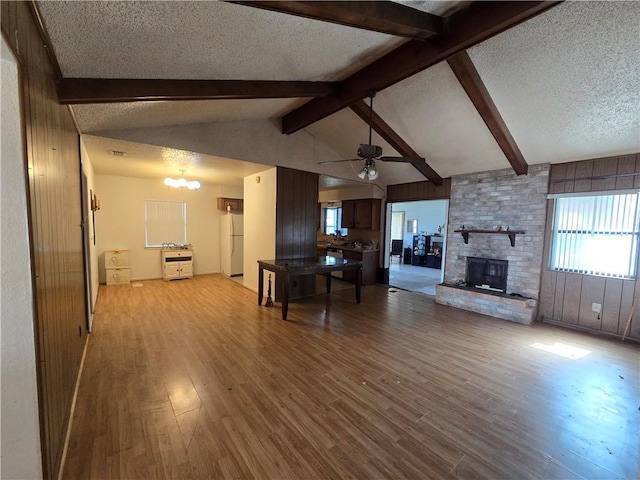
x: 422, y: 227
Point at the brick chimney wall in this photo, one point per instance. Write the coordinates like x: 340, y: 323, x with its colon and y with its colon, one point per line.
x: 486, y: 200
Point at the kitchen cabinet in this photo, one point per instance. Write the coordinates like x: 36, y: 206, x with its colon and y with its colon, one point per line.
x: 116, y: 264
x: 363, y: 214
x: 236, y: 204
x: 177, y: 264
x: 369, y: 260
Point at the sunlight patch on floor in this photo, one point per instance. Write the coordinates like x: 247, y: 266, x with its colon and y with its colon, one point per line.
x: 566, y: 351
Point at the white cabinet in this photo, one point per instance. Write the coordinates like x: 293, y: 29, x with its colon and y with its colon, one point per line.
x: 116, y: 264
x: 177, y: 264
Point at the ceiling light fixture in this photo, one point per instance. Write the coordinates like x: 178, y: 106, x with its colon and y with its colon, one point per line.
x: 369, y: 171
x: 181, y: 182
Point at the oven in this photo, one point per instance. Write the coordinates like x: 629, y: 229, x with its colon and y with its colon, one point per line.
x: 337, y: 253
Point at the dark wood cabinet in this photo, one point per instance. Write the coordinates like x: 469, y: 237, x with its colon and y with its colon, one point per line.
x: 363, y: 214
x: 348, y: 214
x: 236, y: 204
x: 426, y: 251
x: 369, y: 260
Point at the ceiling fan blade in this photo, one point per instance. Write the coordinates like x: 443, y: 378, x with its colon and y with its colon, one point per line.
x: 401, y: 159
x: 345, y: 160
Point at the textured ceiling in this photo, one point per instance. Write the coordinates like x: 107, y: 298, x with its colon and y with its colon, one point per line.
x: 566, y: 83
x: 203, y: 40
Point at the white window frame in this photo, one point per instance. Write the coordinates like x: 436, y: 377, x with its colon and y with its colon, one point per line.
x: 343, y: 231
x: 596, y: 233
x: 164, y: 222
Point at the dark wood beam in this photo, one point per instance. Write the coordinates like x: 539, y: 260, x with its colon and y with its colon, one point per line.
x: 392, y: 138
x: 478, y: 22
x: 470, y: 80
x: 102, y: 90
x: 382, y: 16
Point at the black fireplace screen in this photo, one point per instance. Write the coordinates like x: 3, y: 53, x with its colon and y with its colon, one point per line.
x: 487, y: 273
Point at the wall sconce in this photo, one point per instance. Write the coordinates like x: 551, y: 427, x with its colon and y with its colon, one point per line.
x: 181, y: 182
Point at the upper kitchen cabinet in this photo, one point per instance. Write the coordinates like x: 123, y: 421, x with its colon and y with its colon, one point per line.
x: 233, y: 205
x: 363, y: 213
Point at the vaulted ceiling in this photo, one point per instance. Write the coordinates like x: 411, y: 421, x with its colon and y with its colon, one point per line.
x: 225, y: 88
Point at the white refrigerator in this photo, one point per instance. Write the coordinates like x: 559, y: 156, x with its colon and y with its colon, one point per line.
x: 231, y: 229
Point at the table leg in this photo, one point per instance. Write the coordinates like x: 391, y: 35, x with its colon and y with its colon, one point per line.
x: 358, y: 283
x: 260, y: 284
x: 285, y: 295
x: 328, y: 275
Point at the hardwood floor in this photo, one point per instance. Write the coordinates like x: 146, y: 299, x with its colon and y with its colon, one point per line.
x: 191, y: 379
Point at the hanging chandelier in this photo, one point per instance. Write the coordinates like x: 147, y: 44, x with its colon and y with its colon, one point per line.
x: 181, y: 182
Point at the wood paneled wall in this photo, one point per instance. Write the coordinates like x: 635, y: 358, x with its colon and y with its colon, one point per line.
x: 596, y: 175
x: 566, y: 298
x: 297, y: 222
x: 52, y: 152
x: 409, y: 192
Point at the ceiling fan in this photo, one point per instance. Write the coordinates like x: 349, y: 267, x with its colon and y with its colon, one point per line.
x: 370, y: 153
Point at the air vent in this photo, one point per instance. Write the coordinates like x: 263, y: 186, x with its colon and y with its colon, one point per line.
x: 118, y: 153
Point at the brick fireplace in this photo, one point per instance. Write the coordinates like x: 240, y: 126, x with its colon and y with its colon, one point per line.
x: 482, y: 202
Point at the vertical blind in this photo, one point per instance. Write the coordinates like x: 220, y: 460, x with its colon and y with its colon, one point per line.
x: 596, y: 235
x: 165, y: 222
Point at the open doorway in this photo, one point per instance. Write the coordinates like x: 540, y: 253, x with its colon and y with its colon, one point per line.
x: 421, y: 228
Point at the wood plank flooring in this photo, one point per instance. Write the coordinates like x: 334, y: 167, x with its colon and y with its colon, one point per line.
x: 191, y: 379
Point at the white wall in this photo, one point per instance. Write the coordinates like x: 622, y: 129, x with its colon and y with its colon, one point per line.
x: 259, y: 224
x: 21, y: 455
x: 87, y: 168
x: 120, y: 222
x: 429, y: 213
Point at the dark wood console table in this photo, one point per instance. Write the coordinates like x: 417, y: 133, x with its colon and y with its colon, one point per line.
x: 290, y: 268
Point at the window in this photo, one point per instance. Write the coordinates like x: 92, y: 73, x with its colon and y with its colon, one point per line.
x: 165, y: 222
x: 333, y: 220
x: 596, y: 235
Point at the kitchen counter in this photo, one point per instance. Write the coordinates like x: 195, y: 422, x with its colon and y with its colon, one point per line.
x: 345, y: 248
x: 368, y: 257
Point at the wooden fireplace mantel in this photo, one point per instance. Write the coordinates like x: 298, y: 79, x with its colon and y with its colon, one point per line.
x: 512, y: 234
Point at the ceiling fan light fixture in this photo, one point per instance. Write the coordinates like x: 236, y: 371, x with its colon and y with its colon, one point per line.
x: 363, y: 173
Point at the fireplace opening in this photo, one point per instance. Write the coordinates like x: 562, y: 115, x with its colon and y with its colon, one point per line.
x: 487, y: 273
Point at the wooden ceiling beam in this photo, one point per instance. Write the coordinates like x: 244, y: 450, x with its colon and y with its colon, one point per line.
x: 476, y: 23
x: 470, y: 80
x: 103, y: 90
x: 381, y: 16
x: 396, y: 141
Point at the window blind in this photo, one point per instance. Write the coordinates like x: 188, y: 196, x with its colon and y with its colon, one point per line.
x: 165, y: 222
x: 596, y: 235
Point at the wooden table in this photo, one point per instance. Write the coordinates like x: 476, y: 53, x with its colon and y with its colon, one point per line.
x: 290, y: 268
